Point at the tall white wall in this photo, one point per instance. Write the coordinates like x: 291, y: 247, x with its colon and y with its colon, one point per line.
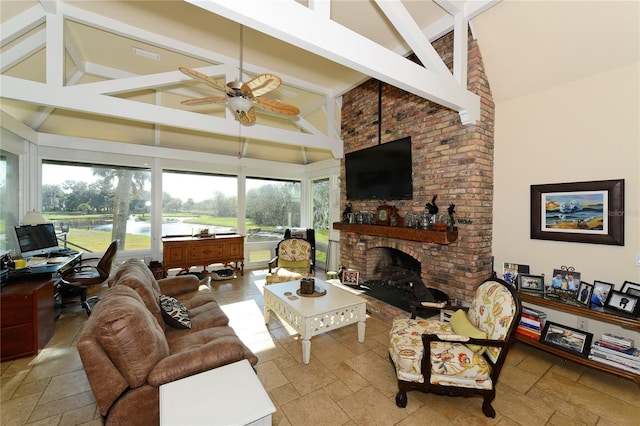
x: 585, y: 130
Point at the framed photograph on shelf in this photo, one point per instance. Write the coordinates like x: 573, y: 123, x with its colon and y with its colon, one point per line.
x: 566, y: 338
x: 631, y: 288
x: 582, y: 212
x: 600, y: 294
x: 510, y: 272
x: 623, y: 302
x: 583, y: 296
x: 565, y: 278
x: 531, y: 283
x: 350, y: 277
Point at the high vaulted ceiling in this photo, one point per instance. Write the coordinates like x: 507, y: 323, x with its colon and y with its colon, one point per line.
x: 70, y: 68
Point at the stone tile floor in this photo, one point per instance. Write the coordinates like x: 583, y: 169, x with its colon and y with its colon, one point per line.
x: 346, y: 382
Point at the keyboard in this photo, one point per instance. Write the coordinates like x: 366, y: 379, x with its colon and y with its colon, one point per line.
x: 59, y: 259
x: 34, y: 262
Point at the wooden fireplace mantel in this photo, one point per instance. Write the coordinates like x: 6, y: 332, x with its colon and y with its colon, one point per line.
x: 436, y: 237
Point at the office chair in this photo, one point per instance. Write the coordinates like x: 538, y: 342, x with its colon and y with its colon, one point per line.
x: 74, y: 281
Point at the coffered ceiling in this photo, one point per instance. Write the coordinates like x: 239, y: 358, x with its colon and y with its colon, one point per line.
x: 107, y: 70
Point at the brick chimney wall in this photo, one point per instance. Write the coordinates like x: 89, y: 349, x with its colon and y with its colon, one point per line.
x: 450, y: 160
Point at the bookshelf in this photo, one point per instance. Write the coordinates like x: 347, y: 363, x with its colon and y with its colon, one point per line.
x: 625, y: 322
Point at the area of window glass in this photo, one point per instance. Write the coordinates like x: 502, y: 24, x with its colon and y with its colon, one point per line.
x: 198, y: 203
x: 92, y: 205
x: 320, y: 212
x: 272, y: 207
x: 8, y: 200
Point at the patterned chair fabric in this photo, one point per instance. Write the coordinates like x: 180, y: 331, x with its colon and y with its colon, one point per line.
x: 293, y: 261
x: 450, y: 362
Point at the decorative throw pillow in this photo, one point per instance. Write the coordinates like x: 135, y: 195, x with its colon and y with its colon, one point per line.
x: 174, y: 312
x: 461, y: 326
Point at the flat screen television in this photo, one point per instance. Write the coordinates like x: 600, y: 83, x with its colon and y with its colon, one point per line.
x: 35, y: 240
x: 381, y: 172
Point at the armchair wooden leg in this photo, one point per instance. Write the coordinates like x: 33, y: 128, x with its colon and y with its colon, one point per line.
x: 401, y: 399
x: 487, y: 409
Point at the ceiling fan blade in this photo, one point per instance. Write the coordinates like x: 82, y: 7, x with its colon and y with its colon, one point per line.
x: 248, y: 118
x: 264, y: 83
x: 205, y: 101
x: 277, y: 106
x: 204, y: 78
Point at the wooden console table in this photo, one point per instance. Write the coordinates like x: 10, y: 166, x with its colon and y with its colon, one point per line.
x: 629, y: 323
x: 27, y: 317
x: 187, y: 251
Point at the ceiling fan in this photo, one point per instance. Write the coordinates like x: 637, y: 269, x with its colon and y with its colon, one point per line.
x: 242, y: 97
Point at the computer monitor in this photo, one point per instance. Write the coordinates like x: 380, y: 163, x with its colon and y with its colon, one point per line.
x: 35, y: 240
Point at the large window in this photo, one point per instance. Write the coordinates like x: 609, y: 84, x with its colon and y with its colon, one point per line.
x: 272, y: 206
x: 94, y: 204
x: 320, y: 212
x: 193, y: 202
x: 8, y: 199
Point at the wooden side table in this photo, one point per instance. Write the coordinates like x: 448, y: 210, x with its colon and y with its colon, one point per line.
x: 227, y: 395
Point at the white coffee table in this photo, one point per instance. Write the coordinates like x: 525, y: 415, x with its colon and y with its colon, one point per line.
x: 227, y: 395
x: 311, y: 316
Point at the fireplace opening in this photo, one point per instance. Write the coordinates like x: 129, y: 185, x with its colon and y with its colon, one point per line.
x: 393, y: 277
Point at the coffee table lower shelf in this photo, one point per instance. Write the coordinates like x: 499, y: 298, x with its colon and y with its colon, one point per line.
x: 578, y: 359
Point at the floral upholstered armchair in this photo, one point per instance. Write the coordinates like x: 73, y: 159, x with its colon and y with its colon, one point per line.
x: 292, y: 262
x: 462, y: 357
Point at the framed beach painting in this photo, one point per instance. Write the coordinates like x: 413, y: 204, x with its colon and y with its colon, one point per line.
x: 583, y: 212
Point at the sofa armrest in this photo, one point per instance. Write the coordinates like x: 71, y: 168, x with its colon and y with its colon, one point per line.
x: 224, y: 350
x: 179, y: 285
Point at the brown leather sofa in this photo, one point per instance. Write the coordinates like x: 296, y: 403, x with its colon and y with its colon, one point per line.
x: 128, y: 351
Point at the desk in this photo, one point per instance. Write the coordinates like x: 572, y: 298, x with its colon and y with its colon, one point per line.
x: 227, y: 395
x: 44, y: 271
x: 27, y: 310
x: 187, y: 251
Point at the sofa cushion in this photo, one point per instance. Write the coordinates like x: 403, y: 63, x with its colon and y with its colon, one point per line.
x: 135, y: 274
x: 197, y: 351
x: 129, y: 334
x: 174, y: 312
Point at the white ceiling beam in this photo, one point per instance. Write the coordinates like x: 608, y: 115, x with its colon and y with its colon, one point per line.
x: 16, y: 126
x: 321, y: 7
x: 23, y: 50
x: 301, y: 27
x: 460, y: 48
x: 55, y: 50
x: 21, y: 24
x: 476, y: 7
x: 413, y: 35
x: 63, y: 97
x: 148, y: 81
x: 131, y: 32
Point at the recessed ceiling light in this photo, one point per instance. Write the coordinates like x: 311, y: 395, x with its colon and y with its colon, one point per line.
x: 145, y: 53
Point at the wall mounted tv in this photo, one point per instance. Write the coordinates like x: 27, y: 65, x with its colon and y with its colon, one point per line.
x: 381, y: 172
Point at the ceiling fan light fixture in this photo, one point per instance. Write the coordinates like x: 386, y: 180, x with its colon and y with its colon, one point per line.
x: 240, y: 105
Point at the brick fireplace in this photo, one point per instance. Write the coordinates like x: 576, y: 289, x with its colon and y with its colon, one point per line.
x: 450, y: 160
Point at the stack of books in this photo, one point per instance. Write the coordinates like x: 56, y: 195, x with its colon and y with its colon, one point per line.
x: 616, y: 351
x: 531, y: 323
